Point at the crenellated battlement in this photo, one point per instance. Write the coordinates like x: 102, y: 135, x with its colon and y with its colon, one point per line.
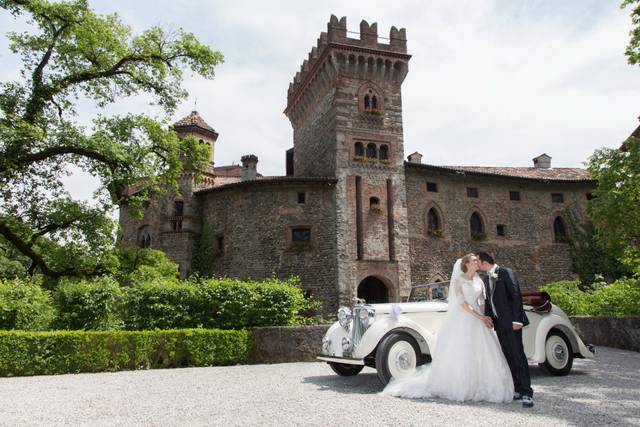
x: 336, y: 37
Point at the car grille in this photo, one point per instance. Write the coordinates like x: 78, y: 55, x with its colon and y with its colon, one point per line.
x: 357, y: 331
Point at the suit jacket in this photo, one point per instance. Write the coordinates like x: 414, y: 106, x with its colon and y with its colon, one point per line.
x: 506, y: 298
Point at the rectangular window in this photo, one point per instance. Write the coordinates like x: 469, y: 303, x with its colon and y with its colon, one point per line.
x: 514, y: 195
x: 302, y: 198
x: 178, y: 208
x: 557, y: 198
x: 432, y: 187
x: 220, y: 243
x: 501, y: 229
x: 472, y: 192
x: 301, y: 235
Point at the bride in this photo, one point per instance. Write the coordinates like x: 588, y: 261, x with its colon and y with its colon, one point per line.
x: 468, y: 363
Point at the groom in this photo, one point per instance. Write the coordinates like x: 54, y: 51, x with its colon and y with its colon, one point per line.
x: 504, y: 306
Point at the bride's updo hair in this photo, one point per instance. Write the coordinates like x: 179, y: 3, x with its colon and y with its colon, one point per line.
x: 464, y: 261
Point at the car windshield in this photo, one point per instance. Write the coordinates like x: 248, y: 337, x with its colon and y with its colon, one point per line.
x: 437, y: 291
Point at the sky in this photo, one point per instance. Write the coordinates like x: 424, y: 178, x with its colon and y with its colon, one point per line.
x: 490, y: 83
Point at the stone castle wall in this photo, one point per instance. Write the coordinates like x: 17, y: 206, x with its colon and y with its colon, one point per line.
x: 255, y: 218
x: 528, y: 246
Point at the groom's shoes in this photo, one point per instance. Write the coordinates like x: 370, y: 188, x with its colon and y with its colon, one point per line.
x: 527, y: 401
x: 517, y: 396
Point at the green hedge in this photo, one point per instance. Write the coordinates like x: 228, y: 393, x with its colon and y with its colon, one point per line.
x: 102, y: 304
x: 620, y: 298
x: 25, y: 305
x: 88, y: 304
x: 61, y: 352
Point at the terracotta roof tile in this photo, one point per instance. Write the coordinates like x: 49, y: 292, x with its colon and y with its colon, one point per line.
x: 550, y: 174
x: 193, y: 119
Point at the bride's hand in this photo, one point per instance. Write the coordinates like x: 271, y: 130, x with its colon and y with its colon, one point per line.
x: 487, y: 321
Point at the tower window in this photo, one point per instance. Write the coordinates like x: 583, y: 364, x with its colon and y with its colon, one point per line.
x: 302, y: 198
x: 371, y: 151
x: 557, y: 198
x: 374, y: 203
x: 432, y: 187
x: 384, y: 152
x: 472, y: 192
x: 220, y: 243
x: 514, y: 195
x: 359, y: 149
x: 370, y: 100
x: 501, y: 230
x: 178, y: 208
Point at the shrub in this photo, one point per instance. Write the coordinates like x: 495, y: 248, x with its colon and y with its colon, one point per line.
x: 162, y: 304
x: 620, y: 298
x: 25, y: 305
x: 86, y: 305
x: 223, y: 303
x: 138, y: 265
x: 61, y: 352
x: 277, y: 302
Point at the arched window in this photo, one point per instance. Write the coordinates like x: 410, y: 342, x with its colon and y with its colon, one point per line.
x: 433, y: 221
x: 476, y: 226
x: 371, y: 151
x: 374, y: 203
x: 359, y: 149
x: 559, y: 230
x: 384, y: 152
x: 369, y: 99
x: 144, y: 237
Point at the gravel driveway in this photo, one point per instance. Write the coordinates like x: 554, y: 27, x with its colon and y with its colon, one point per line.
x: 601, y: 392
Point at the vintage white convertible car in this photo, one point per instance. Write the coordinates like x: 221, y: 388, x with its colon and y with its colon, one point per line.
x: 395, y: 338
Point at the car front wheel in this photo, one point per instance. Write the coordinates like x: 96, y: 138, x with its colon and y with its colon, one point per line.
x: 558, y: 354
x: 398, y: 356
x: 345, y: 370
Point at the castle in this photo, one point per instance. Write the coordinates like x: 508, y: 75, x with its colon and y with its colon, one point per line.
x: 351, y: 216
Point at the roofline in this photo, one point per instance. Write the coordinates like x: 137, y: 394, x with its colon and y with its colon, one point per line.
x: 278, y: 180
x: 196, y: 128
x: 492, y: 175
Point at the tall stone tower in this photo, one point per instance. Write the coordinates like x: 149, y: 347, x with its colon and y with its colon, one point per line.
x: 346, y: 111
x: 182, y: 224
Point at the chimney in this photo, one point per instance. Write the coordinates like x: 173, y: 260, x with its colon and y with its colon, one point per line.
x: 249, y: 167
x: 415, y: 158
x: 543, y: 161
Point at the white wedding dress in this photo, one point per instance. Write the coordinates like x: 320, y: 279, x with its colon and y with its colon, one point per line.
x: 468, y: 363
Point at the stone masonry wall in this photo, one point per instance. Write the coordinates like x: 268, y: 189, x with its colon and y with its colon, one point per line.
x: 255, y: 222
x: 528, y: 246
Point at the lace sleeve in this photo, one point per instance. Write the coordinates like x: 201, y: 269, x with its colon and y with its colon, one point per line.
x: 457, y: 289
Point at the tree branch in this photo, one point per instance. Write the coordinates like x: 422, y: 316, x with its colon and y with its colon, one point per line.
x: 27, y: 249
x: 48, y: 229
x: 65, y: 149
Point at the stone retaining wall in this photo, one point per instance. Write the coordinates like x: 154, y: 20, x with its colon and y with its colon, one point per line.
x: 618, y: 332
x: 281, y: 344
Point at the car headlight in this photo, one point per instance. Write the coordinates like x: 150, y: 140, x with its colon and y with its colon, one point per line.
x: 367, y: 315
x: 344, y: 317
x: 326, y: 344
x: 346, y: 344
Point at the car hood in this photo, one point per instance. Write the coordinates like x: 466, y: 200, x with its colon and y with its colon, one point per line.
x: 411, y: 307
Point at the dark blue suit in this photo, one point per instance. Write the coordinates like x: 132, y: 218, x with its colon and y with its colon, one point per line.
x: 507, y: 301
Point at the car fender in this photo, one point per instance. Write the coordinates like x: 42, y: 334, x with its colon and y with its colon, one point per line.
x: 382, y: 327
x: 563, y: 324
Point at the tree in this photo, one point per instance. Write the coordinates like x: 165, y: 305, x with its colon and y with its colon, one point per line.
x: 633, y: 48
x: 591, y: 262
x: 615, y: 211
x: 73, y: 52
